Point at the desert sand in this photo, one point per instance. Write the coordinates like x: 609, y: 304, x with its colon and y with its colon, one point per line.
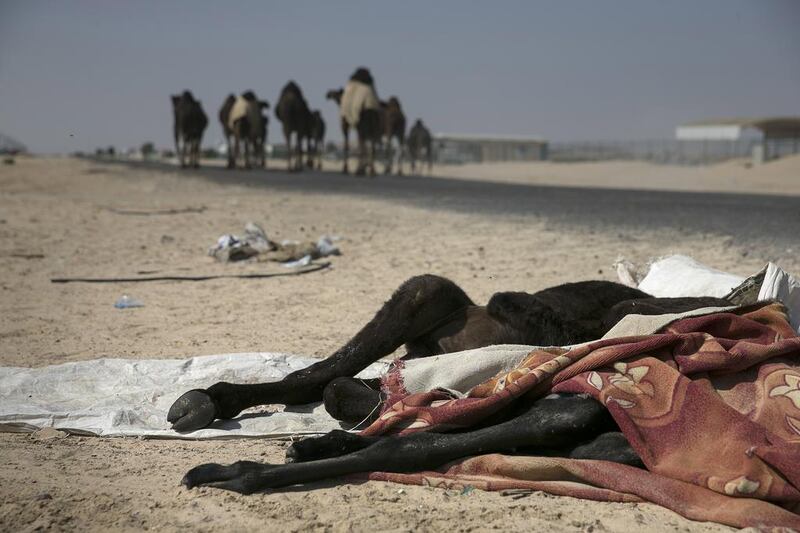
x: 490, y: 228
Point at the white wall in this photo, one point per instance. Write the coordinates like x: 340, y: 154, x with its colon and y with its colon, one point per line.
x: 716, y: 133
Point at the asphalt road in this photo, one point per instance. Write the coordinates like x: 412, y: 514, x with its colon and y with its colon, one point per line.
x: 770, y: 223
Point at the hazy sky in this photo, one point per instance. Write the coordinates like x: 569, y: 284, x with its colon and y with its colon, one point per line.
x: 102, y: 71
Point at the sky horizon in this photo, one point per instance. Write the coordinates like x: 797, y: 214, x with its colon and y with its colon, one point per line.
x: 84, y: 74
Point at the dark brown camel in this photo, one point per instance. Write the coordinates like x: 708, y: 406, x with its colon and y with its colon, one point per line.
x: 224, y: 114
x: 190, y: 123
x: 419, y: 141
x: 394, y: 127
x: 360, y: 108
x: 432, y: 315
x: 316, y: 140
x: 293, y: 112
x: 243, y: 121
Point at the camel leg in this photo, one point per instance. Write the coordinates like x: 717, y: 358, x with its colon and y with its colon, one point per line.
x: 196, y: 153
x: 311, y: 149
x: 415, y: 308
x: 287, y: 135
x: 388, y: 156
x: 346, y: 135
x: 362, y: 148
x: 177, y: 141
x: 231, y: 160
x: 549, y: 423
x: 236, y: 142
x: 299, y: 160
x: 247, y: 163
x: 182, y: 153
x: 373, y: 149
x: 402, y: 148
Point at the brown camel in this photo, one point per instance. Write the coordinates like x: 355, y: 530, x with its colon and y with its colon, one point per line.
x: 190, y: 123
x: 316, y: 140
x: 394, y: 127
x: 419, y: 140
x: 292, y: 110
x: 360, y: 108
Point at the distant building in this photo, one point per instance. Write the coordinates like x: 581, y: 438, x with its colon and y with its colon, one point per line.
x: 765, y: 138
x: 734, y: 129
x: 457, y: 148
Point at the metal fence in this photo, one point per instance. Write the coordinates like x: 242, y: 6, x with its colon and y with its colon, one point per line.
x: 671, y: 151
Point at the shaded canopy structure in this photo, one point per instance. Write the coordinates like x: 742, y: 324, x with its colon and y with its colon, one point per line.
x: 735, y: 128
x: 11, y: 146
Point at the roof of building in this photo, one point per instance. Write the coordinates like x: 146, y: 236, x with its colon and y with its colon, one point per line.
x: 769, y: 125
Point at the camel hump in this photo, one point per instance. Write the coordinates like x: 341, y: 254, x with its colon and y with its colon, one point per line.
x: 363, y: 75
x: 357, y: 97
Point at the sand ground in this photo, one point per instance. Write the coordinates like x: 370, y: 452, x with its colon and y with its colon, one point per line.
x: 499, y: 227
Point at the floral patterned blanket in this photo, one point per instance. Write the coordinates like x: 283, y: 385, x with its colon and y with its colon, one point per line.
x: 710, y: 403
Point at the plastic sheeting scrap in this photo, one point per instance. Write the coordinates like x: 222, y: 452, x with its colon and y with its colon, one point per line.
x: 131, y: 397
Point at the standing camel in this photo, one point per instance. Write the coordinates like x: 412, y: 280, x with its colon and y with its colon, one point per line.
x: 419, y: 139
x: 292, y: 110
x: 360, y: 108
x: 317, y: 140
x: 190, y: 123
x: 394, y: 127
x: 224, y: 113
x: 243, y: 120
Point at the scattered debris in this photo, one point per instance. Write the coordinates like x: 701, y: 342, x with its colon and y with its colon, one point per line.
x: 516, y: 494
x: 255, y: 243
x: 126, y: 302
x: 234, y: 248
x: 303, y: 261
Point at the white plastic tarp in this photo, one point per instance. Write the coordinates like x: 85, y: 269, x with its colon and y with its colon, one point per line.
x: 131, y: 397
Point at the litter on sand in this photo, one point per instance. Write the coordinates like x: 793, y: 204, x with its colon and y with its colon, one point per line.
x: 126, y: 302
x: 255, y: 244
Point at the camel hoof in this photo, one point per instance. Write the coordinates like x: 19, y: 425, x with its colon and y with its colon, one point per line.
x: 192, y: 411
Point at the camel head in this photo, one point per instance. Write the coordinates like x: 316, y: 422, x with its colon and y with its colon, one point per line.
x: 250, y: 96
x: 175, y: 100
x: 291, y: 87
x: 335, y: 95
x: 263, y: 104
x: 363, y: 75
x: 187, y: 96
